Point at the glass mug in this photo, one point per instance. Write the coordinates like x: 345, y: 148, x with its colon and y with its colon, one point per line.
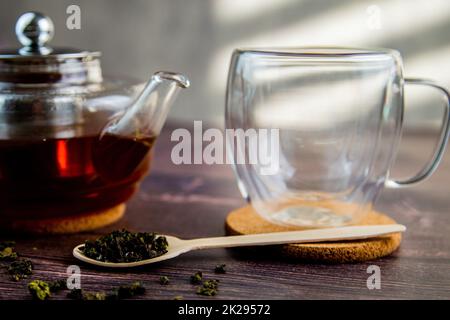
x: 338, y: 113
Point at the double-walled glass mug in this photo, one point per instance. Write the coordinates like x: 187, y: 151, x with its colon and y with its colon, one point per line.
x: 338, y: 116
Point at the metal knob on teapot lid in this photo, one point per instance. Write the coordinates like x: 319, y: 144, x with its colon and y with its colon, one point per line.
x: 34, y: 30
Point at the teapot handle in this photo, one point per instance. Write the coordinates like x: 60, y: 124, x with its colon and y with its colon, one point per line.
x: 438, y: 153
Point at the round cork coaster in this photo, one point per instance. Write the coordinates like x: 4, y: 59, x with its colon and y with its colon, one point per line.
x: 66, y: 225
x: 246, y: 221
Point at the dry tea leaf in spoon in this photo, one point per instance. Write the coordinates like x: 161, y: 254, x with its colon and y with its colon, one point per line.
x: 125, y: 246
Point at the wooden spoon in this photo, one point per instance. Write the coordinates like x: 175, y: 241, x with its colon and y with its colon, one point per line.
x: 178, y: 246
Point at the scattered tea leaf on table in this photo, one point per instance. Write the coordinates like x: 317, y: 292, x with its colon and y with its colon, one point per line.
x: 57, y: 285
x: 39, y: 289
x: 220, y: 268
x: 164, y: 280
x: 20, y: 269
x: 7, y: 252
x: 197, y: 277
x: 209, y: 288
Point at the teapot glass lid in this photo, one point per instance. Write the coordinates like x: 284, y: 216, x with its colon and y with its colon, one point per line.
x: 37, y: 62
x: 34, y: 31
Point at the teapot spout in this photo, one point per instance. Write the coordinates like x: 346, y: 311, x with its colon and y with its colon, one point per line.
x: 147, y: 114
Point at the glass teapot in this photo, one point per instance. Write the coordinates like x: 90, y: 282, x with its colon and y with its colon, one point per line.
x: 72, y: 141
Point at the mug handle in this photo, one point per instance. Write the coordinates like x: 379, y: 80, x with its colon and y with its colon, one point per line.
x: 438, y: 153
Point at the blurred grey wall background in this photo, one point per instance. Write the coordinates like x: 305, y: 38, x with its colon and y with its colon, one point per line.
x: 196, y: 37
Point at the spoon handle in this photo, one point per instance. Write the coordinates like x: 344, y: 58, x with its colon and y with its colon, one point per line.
x: 304, y: 236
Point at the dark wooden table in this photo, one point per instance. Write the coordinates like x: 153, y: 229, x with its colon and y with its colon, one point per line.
x: 193, y: 200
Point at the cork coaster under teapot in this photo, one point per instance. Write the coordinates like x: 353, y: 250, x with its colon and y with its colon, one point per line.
x: 66, y: 224
x: 246, y: 221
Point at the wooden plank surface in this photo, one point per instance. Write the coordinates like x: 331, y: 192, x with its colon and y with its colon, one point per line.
x: 192, y: 201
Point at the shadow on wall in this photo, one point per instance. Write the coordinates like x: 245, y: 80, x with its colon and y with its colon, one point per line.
x: 197, y: 37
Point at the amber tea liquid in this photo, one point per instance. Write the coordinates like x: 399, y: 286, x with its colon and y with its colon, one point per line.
x: 56, y: 177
